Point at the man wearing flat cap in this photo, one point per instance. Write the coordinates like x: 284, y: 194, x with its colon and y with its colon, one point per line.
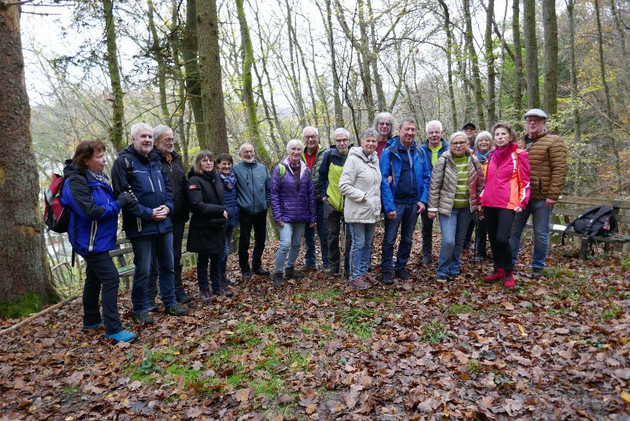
x: 548, y: 172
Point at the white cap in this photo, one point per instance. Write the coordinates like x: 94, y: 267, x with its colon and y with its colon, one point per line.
x: 536, y: 112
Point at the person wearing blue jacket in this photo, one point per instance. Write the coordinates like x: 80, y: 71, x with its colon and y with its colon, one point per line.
x: 228, y: 180
x: 404, y: 191
x: 433, y: 148
x: 148, y: 226
x: 92, y: 231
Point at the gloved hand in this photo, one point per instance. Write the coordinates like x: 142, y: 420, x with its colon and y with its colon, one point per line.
x: 125, y: 199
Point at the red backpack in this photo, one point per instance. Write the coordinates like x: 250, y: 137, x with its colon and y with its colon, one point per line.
x: 56, y: 215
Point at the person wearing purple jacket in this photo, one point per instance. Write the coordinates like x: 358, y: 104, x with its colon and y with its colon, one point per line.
x: 293, y: 206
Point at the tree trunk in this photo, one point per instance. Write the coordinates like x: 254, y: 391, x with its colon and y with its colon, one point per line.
x: 574, y: 98
x: 191, y: 65
x: 550, y: 27
x: 609, y: 126
x: 23, y: 259
x: 210, y: 72
x: 247, y: 54
x: 475, y: 64
x: 116, y: 135
x: 517, y: 97
x: 333, y: 64
x: 158, y: 54
x: 490, y: 64
x: 449, y: 61
x: 621, y: 32
x: 531, y: 53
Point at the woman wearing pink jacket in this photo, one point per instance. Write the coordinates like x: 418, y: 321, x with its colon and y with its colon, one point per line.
x: 506, y: 194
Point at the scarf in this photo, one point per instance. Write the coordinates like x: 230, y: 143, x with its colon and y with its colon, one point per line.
x: 483, y: 157
x: 100, y: 177
x: 229, y: 181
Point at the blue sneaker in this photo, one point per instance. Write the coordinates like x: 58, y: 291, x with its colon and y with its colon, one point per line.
x: 92, y: 327
x: 122, y: 336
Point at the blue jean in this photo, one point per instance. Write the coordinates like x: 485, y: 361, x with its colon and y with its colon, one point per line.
x: 541, y: 216
x: 291, y: 235
x: 226, y: 251
x: 215, y: 271
x: 406, y: 218
x: 143, y: 248
x: 101, y: 279
x: 310, y: 259
x: 454, y: 230
x: 360, y: 252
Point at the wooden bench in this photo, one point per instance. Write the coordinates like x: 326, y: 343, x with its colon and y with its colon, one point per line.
x: 570, y: 207
x: 123, y: 258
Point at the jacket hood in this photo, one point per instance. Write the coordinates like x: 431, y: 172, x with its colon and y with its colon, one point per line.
x: 69, y: 169
x: 358, y: 152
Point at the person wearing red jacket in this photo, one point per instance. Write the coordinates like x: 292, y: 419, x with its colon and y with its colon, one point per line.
x: 506, y: 194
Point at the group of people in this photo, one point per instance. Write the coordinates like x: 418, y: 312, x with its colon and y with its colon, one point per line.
x: 337, y: 193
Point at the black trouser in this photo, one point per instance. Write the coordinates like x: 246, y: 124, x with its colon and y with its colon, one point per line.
x: 427, y: 234
x: 481, y: 237
x: 178, y: 238
x: 247, y: 222
x: 101, y: 280
x: 469, y: 232
x: 499, y: 223
x: 334, y: 222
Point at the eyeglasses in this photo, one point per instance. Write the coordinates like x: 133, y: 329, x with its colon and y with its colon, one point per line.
x: 459, y: 144
x: 313, y: 136
x: 432, y: 133
x: 343, y: 139
x: 384, y: 123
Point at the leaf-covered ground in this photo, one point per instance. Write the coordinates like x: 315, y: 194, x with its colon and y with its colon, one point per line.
x: 554, y: 348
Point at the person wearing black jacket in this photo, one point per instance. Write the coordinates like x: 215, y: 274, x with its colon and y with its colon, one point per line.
x: 173, y: 168
x: 208, y: 224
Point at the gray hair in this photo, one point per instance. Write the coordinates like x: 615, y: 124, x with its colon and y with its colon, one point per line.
x: 294, y: 142
x: 483, y: 134
x: 371, y: 132
x: 383, y: 116
x: 407, y: 120
x: 136, y: 128
x: 159, y: 130
x: 456, y: 135
x: 342, y: 131
x: 312, y: 128
x: 240, y: 149
x: 434, y: 123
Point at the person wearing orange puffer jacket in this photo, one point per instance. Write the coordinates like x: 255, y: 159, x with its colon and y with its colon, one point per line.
x: 506, y: 193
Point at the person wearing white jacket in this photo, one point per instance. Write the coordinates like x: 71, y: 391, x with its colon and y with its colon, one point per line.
x: 360, y: 183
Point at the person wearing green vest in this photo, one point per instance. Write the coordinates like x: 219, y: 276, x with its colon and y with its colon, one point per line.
x: 433, y: 148
x: 329, y: 173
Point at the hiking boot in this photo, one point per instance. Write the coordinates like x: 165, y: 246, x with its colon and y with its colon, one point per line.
x: 94, y: 326
x: 143, y: 318
x: 277, y: 279
x: 246, y: 275
x: 183, y: 298
x: 176, y: 310
x: 359, y: 282
x: 537, y: 273
x: 205, y: 296
x: 122, y: 336
x: 388, y: 278
x: 306, y: 269
x: 223, y: 291
x: 151, y: 306
x: 371, y: 279
x: 498, y: 275
x: 262, y: 272
x: 402, y: 274
x: 509, y: 280
x: 426, y: 260
x: 292, y: 274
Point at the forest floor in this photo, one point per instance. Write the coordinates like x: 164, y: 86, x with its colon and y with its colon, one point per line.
x: 552, y: 348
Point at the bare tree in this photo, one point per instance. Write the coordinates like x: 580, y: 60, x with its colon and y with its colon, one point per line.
x: 550, y: 29
x: 531, y: 53
x: 116, y: 130
x: 22, y: 257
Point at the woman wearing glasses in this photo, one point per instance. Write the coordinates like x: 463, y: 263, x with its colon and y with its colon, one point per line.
x: 505, y: 195
x: 456, y: 183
